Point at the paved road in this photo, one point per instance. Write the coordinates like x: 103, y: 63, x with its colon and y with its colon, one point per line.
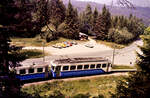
x: 125, y: 56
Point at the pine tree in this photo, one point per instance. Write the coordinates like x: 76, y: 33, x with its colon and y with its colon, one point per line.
x: 95, y: 16
x: 87, y: 19
x: 57, y: 12
x: 42, y: 14
x: 137, y: 85
x: 106, y: 18
x: 99, y: 28
x: 103, y: 24
x: 71, y: 23
x: 13, y: 20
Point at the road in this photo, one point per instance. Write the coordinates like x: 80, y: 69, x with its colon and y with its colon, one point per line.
x: 125, y: 56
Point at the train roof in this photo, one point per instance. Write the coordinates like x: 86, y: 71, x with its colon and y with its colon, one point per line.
x: 34, y: 65
x: 80, y: 60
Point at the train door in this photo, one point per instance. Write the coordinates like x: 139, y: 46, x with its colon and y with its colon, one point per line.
x: 108, y: 67
x: 58, y: 71
x: 46, y: 72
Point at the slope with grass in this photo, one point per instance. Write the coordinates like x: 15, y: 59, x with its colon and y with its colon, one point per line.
x: 102, y: 86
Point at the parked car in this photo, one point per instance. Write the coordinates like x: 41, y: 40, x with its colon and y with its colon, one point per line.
x: 74, y: 43
x: 89, y: 45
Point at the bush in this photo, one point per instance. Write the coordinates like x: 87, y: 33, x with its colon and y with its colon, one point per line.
x: 120, y: 36
x: 147, y: 31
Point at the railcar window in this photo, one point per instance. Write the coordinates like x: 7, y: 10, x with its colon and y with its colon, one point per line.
x: 79, y: 67
x: 73, y: 67
x: 39, y: 69
x: 92, y: 66
x: 98, y: 66
x: 22, y: 71
x: 86, y: 66
x: 53, y: 68
x: 104, y: 65
x: 65, y: 67
x: 58, y: 68
x: 31, y: 70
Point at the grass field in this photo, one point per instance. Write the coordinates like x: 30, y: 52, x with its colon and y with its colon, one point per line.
x: 111, y: 44
x: 31, y: 53
x: 123, y: 67
x: 38, y: 42
x: 102, y: 86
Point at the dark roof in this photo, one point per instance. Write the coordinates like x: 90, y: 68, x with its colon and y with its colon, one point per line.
x: 80, y: 60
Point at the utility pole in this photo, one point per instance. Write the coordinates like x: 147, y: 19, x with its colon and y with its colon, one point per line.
x: 113, y: 58
x: 43, y: 53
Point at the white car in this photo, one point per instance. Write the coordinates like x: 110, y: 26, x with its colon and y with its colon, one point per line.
x: 89, y: 45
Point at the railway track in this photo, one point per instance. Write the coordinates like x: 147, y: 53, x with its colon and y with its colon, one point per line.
x: 114, y: 72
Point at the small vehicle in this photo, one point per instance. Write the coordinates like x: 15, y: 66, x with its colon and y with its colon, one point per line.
x: 89, y: 45
x: 63, y: 45
x: 74, y: 43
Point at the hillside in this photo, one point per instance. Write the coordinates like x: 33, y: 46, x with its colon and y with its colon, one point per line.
x: 140, y: 12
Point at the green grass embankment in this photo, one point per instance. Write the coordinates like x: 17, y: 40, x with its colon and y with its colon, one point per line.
x: 102, y: 86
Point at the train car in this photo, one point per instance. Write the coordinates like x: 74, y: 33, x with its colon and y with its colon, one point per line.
x: 32, y: 72
x: 72, y: 67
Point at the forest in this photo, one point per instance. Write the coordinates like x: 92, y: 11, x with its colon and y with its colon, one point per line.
x: 52, y: 19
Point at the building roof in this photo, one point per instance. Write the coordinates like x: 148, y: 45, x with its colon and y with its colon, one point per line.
x: 80, y: 33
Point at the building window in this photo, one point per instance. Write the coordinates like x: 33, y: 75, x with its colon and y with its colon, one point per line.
x: 104, y: 65
x: 31, y: 70
x: 98, y: 66
x: 39, y: 69
x: 73, y: 67
x: 92, y: 66
x: 79, y: 67
x: 65, y: 67
x: 22, y: 71
x: 86, y: 66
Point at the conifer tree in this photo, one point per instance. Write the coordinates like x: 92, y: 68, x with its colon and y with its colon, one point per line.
x: 106, y: 18
x: 103, y: 24
x: 13, y: 21
x: 87, y: 19
x: 42, y: 14
x: 88, y: 14
x: 57, y: 12
x: 99, y: 28
x: 71, y: 23
x: 95, y: 16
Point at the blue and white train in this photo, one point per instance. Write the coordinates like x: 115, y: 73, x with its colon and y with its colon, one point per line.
x: 70, y: 67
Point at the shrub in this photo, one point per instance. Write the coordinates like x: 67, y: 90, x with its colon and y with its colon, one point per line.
x: 120, y: 36
x: 147, y: 31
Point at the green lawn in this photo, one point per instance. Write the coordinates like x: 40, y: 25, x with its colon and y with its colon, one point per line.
x: 123, y: 67
x: 31, y: 53
x: 38, y: 42
x: 111, y: 44
x: 102, y: 86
